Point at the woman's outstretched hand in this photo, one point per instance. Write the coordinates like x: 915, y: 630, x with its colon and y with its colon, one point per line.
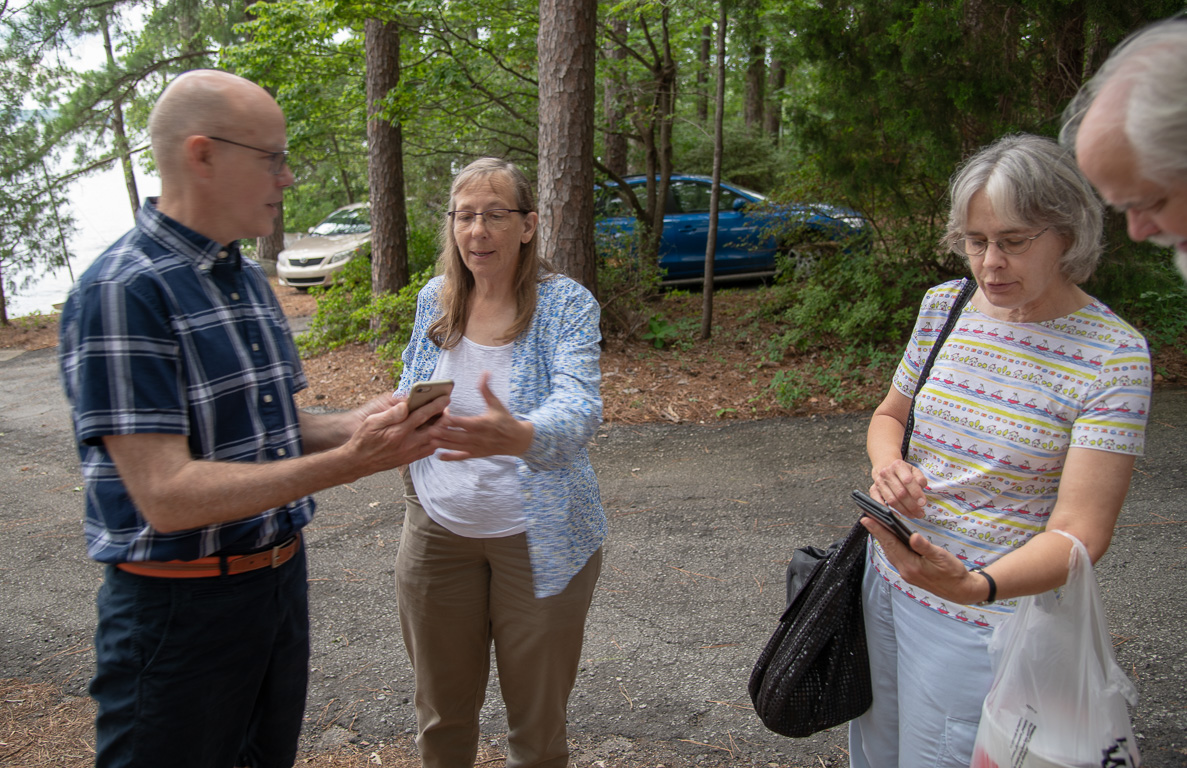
x: 494, y: 433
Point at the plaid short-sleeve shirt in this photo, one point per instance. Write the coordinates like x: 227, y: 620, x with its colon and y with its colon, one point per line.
x: 169, y: 332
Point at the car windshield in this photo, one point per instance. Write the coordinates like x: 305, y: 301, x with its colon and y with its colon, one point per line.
x: 349, y: 222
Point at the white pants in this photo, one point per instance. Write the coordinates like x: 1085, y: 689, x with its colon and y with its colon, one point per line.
x: 931, y: 674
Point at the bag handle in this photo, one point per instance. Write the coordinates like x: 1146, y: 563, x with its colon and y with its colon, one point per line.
x: 967, y: 289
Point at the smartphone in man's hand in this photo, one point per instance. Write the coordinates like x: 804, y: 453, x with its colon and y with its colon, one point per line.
x: 424, y: 392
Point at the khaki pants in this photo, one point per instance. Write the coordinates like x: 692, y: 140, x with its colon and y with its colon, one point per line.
x: 456, y: 595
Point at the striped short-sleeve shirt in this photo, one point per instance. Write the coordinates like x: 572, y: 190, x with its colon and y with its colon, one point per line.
x: 997, y: 416
x: 169, y: 332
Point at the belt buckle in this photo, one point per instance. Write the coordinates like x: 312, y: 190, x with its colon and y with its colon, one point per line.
x: 276, y: 555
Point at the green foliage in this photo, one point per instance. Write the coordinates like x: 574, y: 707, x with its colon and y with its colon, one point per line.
x: 789, y: 388
x: 750, y: 159
x: 1139, y: 283
x: 856, y: 294
x: 842, y: 375
x: 34, y: 224
x: 891, y: 96
x: 660, y: 331
x: 626, y: 284
x: 347, y: 309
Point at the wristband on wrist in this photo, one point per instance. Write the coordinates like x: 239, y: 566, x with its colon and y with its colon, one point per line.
x: 992, y: 587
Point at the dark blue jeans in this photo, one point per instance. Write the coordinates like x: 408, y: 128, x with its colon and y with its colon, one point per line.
x: 201, y: 673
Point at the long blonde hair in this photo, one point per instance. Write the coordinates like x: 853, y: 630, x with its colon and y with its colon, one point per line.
x: 447, y: 330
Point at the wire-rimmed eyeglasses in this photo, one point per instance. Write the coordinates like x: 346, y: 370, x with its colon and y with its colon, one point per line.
x: 1013, y: 245
x: 496, y: 219
x: 277, y: 159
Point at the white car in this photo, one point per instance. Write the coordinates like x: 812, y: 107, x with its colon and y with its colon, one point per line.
x: 314, y: 260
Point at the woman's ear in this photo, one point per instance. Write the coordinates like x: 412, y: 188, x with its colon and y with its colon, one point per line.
x: 530, y: 221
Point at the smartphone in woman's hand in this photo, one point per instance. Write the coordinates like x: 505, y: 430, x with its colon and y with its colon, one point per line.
x: 883, y: 514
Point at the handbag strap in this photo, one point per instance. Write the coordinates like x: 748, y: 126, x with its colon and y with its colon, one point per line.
x: 967, y: 289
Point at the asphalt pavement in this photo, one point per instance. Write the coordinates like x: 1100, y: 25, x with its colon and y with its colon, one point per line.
x: 702, y: 522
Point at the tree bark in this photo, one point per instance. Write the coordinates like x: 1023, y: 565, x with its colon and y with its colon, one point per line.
x: 756, y: 81
x: 703, y: 63
x: 776, y: 80
x: 615, y: 144
x: 715, y: 195
x: 566, y: 46
x: 389, y: 216
x: 117, y: 122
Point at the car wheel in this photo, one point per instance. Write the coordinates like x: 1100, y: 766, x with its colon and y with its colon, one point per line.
x: 804, y: 256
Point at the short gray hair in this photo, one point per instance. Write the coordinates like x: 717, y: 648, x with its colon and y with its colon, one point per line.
x: 1152, y: 62
x: 1032, y: 182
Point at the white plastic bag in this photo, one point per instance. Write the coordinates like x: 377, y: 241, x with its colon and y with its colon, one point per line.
x: 1058, y: 698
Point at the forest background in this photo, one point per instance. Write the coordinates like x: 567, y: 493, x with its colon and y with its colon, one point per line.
x: 868, y: 104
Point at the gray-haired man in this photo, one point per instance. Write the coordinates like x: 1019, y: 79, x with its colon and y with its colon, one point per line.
x: 1128, y: 128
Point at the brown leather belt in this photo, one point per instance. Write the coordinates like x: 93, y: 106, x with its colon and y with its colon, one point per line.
x: 216, y: 565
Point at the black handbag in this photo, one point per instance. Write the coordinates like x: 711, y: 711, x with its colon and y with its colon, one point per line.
x: 814, y: 672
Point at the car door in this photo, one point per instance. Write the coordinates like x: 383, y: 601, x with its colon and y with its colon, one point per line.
x: 738, y: 233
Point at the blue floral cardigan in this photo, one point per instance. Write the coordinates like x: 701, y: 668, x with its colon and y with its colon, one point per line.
x: 555, y: 384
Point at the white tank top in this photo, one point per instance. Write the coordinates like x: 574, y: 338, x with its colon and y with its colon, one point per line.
x: 476, y: 498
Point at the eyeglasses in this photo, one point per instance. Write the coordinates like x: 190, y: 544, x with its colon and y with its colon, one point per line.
x: 496, y: 219
x: 971, y: 246
x: 278, y: 159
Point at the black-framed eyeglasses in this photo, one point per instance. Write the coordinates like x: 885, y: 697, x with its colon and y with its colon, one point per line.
x: 496, y: 219
x: 277, y: 160
x: 1015, y: 245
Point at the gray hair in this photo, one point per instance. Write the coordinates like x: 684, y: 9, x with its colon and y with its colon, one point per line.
x: 1032, y: 182
x: 1153, y: 64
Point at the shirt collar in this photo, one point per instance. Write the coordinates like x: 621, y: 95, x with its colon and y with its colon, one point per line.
x: 185, y: 242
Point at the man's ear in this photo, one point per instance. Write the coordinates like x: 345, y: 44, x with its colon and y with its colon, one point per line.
x: 197, y: 154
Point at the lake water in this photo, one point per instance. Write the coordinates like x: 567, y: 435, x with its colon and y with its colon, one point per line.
x: 99, y: 205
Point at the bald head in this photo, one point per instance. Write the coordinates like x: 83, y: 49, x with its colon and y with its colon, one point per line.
x: 204, y: 102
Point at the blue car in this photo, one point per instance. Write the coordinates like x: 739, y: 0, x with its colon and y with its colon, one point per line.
x: 750, y: 231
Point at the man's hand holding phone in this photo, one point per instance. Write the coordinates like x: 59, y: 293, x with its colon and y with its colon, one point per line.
x: 423, y: 392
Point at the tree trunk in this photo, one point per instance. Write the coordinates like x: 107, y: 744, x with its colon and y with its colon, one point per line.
x: 343, y: 175
x: 703, y: 64
x: 756, y: 80
x: 566, y: 46
x: 389, y: 216
x: 117, y: 122
x: 776, y: 80
x: 615, y: 144
x: 665, y: 102
x: 715, y: 195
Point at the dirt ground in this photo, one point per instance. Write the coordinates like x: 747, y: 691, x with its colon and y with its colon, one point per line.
x: 725, y: 378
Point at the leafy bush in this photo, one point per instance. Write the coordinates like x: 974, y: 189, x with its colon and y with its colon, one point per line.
x: 346, y: 311
x: 1140, y: 284
x: 855, y: 295
x: 626, y: 285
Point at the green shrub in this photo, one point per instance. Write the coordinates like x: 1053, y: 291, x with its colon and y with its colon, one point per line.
x: 346, y: 308
x: 1140, y: 284
x: 625, y: 285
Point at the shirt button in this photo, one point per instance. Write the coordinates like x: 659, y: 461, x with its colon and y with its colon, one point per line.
x: 281, y: 452
x: 222, y: 254
x: 255, y: 347
x: 267, y: 398
x: 234, y: 297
